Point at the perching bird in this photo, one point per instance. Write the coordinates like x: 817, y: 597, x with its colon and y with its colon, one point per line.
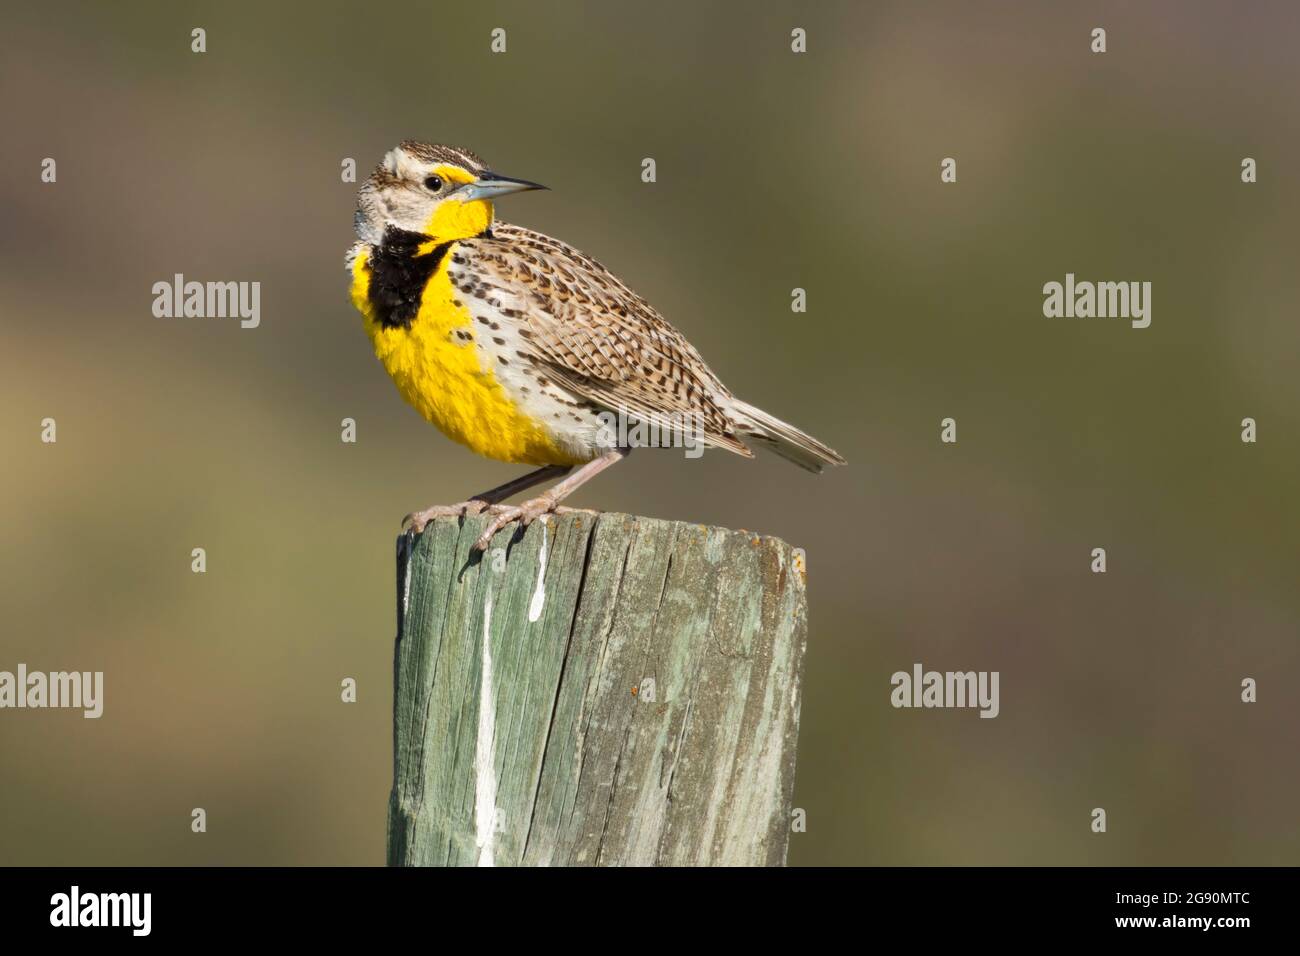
x: 519, y: 346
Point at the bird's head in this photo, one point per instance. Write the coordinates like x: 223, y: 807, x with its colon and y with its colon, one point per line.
x: 444, y: 192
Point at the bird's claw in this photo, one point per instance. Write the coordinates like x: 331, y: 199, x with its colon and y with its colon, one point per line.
x: 416, y: 520
x: 525, y: 513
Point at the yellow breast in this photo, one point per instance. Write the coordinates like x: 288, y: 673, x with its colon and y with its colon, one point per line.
x: 441, y: 375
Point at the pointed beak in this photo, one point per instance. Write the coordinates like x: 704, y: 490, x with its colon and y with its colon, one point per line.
x: 489, y: 185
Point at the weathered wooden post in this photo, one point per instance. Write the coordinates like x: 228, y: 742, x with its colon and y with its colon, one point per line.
x: 605, y: 690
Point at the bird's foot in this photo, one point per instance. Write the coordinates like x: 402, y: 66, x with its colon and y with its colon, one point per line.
x: 416, y: 520
x: 525, y: 513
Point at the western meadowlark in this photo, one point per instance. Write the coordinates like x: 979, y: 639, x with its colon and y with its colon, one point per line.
x: 519, y: 346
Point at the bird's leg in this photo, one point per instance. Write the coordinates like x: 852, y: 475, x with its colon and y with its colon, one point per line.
x: 548, y: 500
x: 523, y: 483
x: 480, y: 502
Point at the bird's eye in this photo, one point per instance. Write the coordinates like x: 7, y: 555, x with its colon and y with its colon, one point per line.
x: 433, y: 184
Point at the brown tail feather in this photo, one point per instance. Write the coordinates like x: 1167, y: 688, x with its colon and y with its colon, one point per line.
x: 784, y: 439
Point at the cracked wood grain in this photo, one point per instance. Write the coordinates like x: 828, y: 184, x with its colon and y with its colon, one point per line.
x: 643, y: 690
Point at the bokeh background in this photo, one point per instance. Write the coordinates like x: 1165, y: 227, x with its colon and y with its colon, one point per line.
x: 775, y: 170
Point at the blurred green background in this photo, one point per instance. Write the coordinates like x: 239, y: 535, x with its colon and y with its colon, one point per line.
x: 775, y: 170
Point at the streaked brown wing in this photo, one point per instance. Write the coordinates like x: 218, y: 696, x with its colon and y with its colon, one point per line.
x: 597, y: 337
